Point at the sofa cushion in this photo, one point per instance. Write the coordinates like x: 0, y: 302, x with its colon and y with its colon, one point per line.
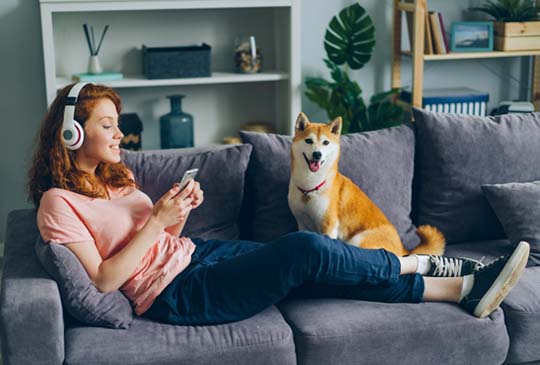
x: 517, y: 207
x: 522, y: 305
x: 456, y: 154
x: 339, y: 331
x: 262, y: 339
x: 221, y: 175
x: 379, y: 162
x: 79, y: 295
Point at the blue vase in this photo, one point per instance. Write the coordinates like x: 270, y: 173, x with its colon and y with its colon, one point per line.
x: 177, y: 126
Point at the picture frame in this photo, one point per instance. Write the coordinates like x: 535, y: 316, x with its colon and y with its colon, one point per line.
x: 471, y: 37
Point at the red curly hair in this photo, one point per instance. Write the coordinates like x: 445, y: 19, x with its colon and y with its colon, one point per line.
x: 54, y: 166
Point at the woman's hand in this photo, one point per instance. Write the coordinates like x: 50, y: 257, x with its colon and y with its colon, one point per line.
x: 174, y: 206
x: 197, y: 194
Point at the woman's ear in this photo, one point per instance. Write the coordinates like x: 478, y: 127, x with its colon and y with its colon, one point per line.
x: 335, y: 125
x: 301, y: 122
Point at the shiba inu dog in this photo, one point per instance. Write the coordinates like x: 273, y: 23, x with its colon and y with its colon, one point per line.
x: 324, y: 201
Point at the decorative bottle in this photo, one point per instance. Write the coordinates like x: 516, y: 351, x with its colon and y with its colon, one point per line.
x: 177, y: 126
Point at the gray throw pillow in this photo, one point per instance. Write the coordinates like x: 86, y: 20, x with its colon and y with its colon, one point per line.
x: 380, y: 162
x: 79, y: 295
x: 517, y: 205
x: 221, y: 175
x: 456, y: 155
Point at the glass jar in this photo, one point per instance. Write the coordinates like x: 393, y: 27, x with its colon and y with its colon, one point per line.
x: 247, y: 56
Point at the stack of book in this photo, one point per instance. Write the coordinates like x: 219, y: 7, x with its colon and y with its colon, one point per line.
x: 435, y: 38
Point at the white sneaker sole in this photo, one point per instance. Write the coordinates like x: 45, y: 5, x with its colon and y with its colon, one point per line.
x: 507, y: 279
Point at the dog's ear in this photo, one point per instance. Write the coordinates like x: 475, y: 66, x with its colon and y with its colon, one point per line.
x: 301, y: 122
x: 335, y: 125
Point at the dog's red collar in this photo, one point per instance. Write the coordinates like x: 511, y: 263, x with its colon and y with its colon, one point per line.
x: 306, y: 192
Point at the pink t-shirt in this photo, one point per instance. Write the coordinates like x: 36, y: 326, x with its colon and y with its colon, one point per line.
x: 66, y: 217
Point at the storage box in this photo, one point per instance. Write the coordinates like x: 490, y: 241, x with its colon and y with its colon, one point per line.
x: 517, y: 36
x: 452, y: 100
x: 176, y: 62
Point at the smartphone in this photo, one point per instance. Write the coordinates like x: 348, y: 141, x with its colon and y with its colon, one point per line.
x: 188, y: 175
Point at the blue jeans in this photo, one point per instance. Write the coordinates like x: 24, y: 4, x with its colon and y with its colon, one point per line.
x: 232, y: 280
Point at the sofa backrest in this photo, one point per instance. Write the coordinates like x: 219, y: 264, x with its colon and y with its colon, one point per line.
x: 456, y: 154
x: 221, y: 175
x: 380, y: 162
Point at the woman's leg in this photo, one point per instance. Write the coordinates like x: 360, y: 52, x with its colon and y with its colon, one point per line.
x: 239, y: 287
x: 442, y: 289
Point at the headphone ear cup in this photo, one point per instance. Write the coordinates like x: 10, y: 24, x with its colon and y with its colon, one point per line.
x: 73, y: 136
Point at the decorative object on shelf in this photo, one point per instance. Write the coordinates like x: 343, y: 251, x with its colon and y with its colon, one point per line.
x: 94, y: 67
x: 260, y: 127
x: 247, y: 56
x: 514, y: 106
x: 176, y: 62
x: 472, y: 37
x: 176, y: 127
x: 517, y: 24
x: 452, y: 100
x: 350, y: 38
x: 131, y: 126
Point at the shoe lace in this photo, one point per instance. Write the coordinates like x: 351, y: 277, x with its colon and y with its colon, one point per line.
x: 486, y: 267
x: 446, y: 266
x: 479, y: 264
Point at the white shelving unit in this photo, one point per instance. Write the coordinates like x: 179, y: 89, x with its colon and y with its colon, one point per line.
x: 220, y: 103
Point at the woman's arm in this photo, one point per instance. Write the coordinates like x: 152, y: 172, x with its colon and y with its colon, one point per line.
x: 109, y: 275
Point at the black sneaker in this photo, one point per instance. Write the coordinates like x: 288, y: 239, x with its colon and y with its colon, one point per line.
x: 445, y: 266
x: 493, y: 282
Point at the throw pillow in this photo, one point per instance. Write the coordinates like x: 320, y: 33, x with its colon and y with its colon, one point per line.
x: 221, y: 175
x: 379, y: 162
x: 456, y: 154
x: 517, y: 205
x: 79, y: 295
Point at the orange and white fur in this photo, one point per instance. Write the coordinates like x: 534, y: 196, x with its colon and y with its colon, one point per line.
x: 324, y: 201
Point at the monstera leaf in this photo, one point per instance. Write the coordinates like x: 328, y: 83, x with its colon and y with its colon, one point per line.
x: 350, y: 37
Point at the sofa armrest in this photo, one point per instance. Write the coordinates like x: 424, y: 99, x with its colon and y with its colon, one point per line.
x: 32, y: 322
x: 31, y: 316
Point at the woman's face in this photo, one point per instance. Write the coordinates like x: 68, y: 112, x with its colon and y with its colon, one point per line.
x: 101, y: 137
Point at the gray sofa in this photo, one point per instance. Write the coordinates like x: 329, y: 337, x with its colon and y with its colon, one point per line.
x: 430, y: 173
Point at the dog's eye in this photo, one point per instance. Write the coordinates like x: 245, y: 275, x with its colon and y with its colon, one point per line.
x: 309, y: 141
x: 326, y: 143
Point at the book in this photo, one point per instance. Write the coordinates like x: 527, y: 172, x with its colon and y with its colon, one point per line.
x: 104, y: 76
x: 445, y: 37
x: 428, y: 42
x: 436, y: 34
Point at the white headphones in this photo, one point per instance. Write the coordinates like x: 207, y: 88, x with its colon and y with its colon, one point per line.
x: 72, y: 131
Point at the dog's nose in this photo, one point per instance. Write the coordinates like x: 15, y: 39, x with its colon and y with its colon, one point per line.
x: 317, y: 155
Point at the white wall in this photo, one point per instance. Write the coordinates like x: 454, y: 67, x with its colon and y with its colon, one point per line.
x: 22, y: 88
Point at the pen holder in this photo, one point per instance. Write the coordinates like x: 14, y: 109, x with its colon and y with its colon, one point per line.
x: 94, y: 67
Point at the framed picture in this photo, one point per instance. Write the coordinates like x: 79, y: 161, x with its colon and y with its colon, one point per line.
x: 472, y: 37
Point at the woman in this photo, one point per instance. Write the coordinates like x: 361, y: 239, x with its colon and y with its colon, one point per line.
x: 88, y: 201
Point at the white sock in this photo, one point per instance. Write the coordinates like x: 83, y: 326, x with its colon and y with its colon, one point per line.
x: 424, y: 264
x: 468, y: 282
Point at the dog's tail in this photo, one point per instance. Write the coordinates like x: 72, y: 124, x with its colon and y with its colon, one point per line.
x: 432, y: 241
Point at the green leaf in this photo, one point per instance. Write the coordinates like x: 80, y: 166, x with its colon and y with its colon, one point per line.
x: 350, y: 37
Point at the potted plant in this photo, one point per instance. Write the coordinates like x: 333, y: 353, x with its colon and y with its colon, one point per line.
x: 349, y: 41
x: 517, y: 23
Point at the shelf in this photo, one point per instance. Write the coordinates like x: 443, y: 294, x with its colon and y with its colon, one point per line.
x: 216, y: 78
x: 130, y: 5
x: 473, y: 55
